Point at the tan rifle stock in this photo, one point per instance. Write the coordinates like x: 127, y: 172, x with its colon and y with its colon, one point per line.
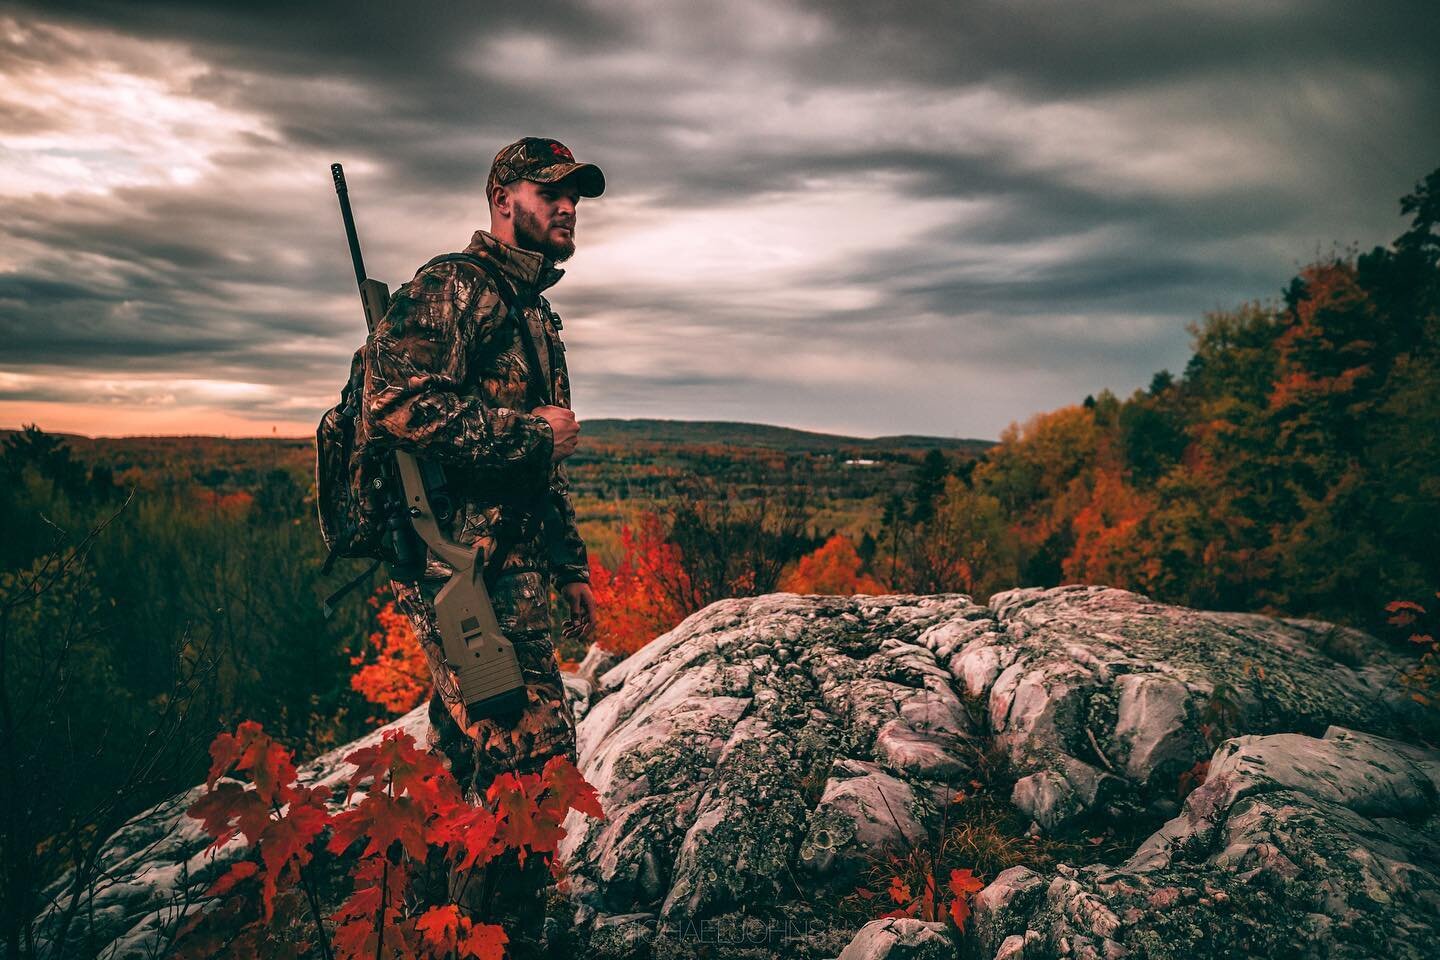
x: 483, y: 659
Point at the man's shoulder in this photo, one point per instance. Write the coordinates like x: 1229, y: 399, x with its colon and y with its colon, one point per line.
x: 450, y: 271
x: 461, y: 281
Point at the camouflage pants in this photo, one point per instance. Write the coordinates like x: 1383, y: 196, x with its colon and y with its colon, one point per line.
x: 520, y: 742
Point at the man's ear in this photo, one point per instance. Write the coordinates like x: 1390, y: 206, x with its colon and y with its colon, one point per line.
x: 499, y: 200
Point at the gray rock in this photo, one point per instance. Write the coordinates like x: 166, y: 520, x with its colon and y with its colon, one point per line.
x: 1004, y: 905
x: 900, y: 939
x: 622, y: 934
x: 1102, y: 694
x: 1294, y: 846
x: 597, y: 661
x: 737, y: 771
x: 863, y: 814
x: 578, y: 692
x: 1152, y: 724
x: 920, y: 754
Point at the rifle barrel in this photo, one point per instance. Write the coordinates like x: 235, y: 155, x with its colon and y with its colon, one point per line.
x: 343, y: 193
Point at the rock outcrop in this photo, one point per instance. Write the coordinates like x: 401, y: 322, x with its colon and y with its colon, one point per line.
x: 766, y: 746
x: 1102, y: 697
x: 767, y: 751
x: 1295, y: 846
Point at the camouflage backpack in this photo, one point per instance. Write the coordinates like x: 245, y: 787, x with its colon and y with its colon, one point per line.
x: 349, y: 488
x: 353, y: 487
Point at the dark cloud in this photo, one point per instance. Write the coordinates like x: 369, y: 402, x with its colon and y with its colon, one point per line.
x: 1014, y: 204
x: 1053, y: 48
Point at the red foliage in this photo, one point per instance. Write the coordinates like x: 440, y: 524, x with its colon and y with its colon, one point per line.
x: 1423, y: 629
x: 411, y: 808
x: 393, y: 672
x: 1193, y: 777
x: 275, y: 814
x: 235, y: 504
x: 647, y: 594
x: 1317, y: 360
x: 832, y: 569
x: 962, y: 886
x: 1106, y: 532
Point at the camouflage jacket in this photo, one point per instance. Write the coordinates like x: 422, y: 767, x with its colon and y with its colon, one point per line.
x: 446, y: 379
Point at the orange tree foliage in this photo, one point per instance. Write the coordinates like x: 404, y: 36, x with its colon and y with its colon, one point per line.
x: 834, y: 568
x: 235, y: 504
x: 646, y: 594
x: 412, y: 815
x: 1041, y: 475
x: 1107, y: 534
x: 393, y: 673
x: 1294, y: 467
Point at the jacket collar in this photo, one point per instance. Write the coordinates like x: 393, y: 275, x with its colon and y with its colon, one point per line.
x: 528, y: 272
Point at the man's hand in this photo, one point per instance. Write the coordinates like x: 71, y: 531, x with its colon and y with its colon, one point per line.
x: 567, y: 430
x: 581, y: 622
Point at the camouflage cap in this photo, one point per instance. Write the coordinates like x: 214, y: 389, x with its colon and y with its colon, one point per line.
x: 545, y: 161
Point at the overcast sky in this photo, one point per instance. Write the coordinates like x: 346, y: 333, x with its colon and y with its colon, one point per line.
x: 859, y: 217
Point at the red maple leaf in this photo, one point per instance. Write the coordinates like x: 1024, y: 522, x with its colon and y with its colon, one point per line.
x: 484, y: 941
x: 250, y: 750
x: 927, y: 899
x: 568, y: 786
x: 229, y: 809
x: 383, y: 819
x: 271, y: 769
x: 357, y: 935
x: 365, y: 899
x: 514, y: 800
x: 470, y: 834
x: 964, y: 885
x: 288, y: 838
x: 440, y: 926
x: 394, y: 760
x: 226, y: 748
x: 355, y: 939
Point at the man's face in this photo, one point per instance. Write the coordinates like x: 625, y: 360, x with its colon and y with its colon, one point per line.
x: 544, y: 216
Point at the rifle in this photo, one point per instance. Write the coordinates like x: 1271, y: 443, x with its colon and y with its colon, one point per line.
x: 474, y: 647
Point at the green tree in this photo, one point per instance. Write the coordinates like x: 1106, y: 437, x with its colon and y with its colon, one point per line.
x: 929, y: 482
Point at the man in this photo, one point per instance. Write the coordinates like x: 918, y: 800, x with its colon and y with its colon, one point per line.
x: 449, y: 377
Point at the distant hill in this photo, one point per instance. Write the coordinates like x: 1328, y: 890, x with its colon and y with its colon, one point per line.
x: 739, y: 434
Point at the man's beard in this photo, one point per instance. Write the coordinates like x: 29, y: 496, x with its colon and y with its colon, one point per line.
x: 530, y: 236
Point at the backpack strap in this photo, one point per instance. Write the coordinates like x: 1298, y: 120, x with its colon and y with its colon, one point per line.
x: 527, y: 336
